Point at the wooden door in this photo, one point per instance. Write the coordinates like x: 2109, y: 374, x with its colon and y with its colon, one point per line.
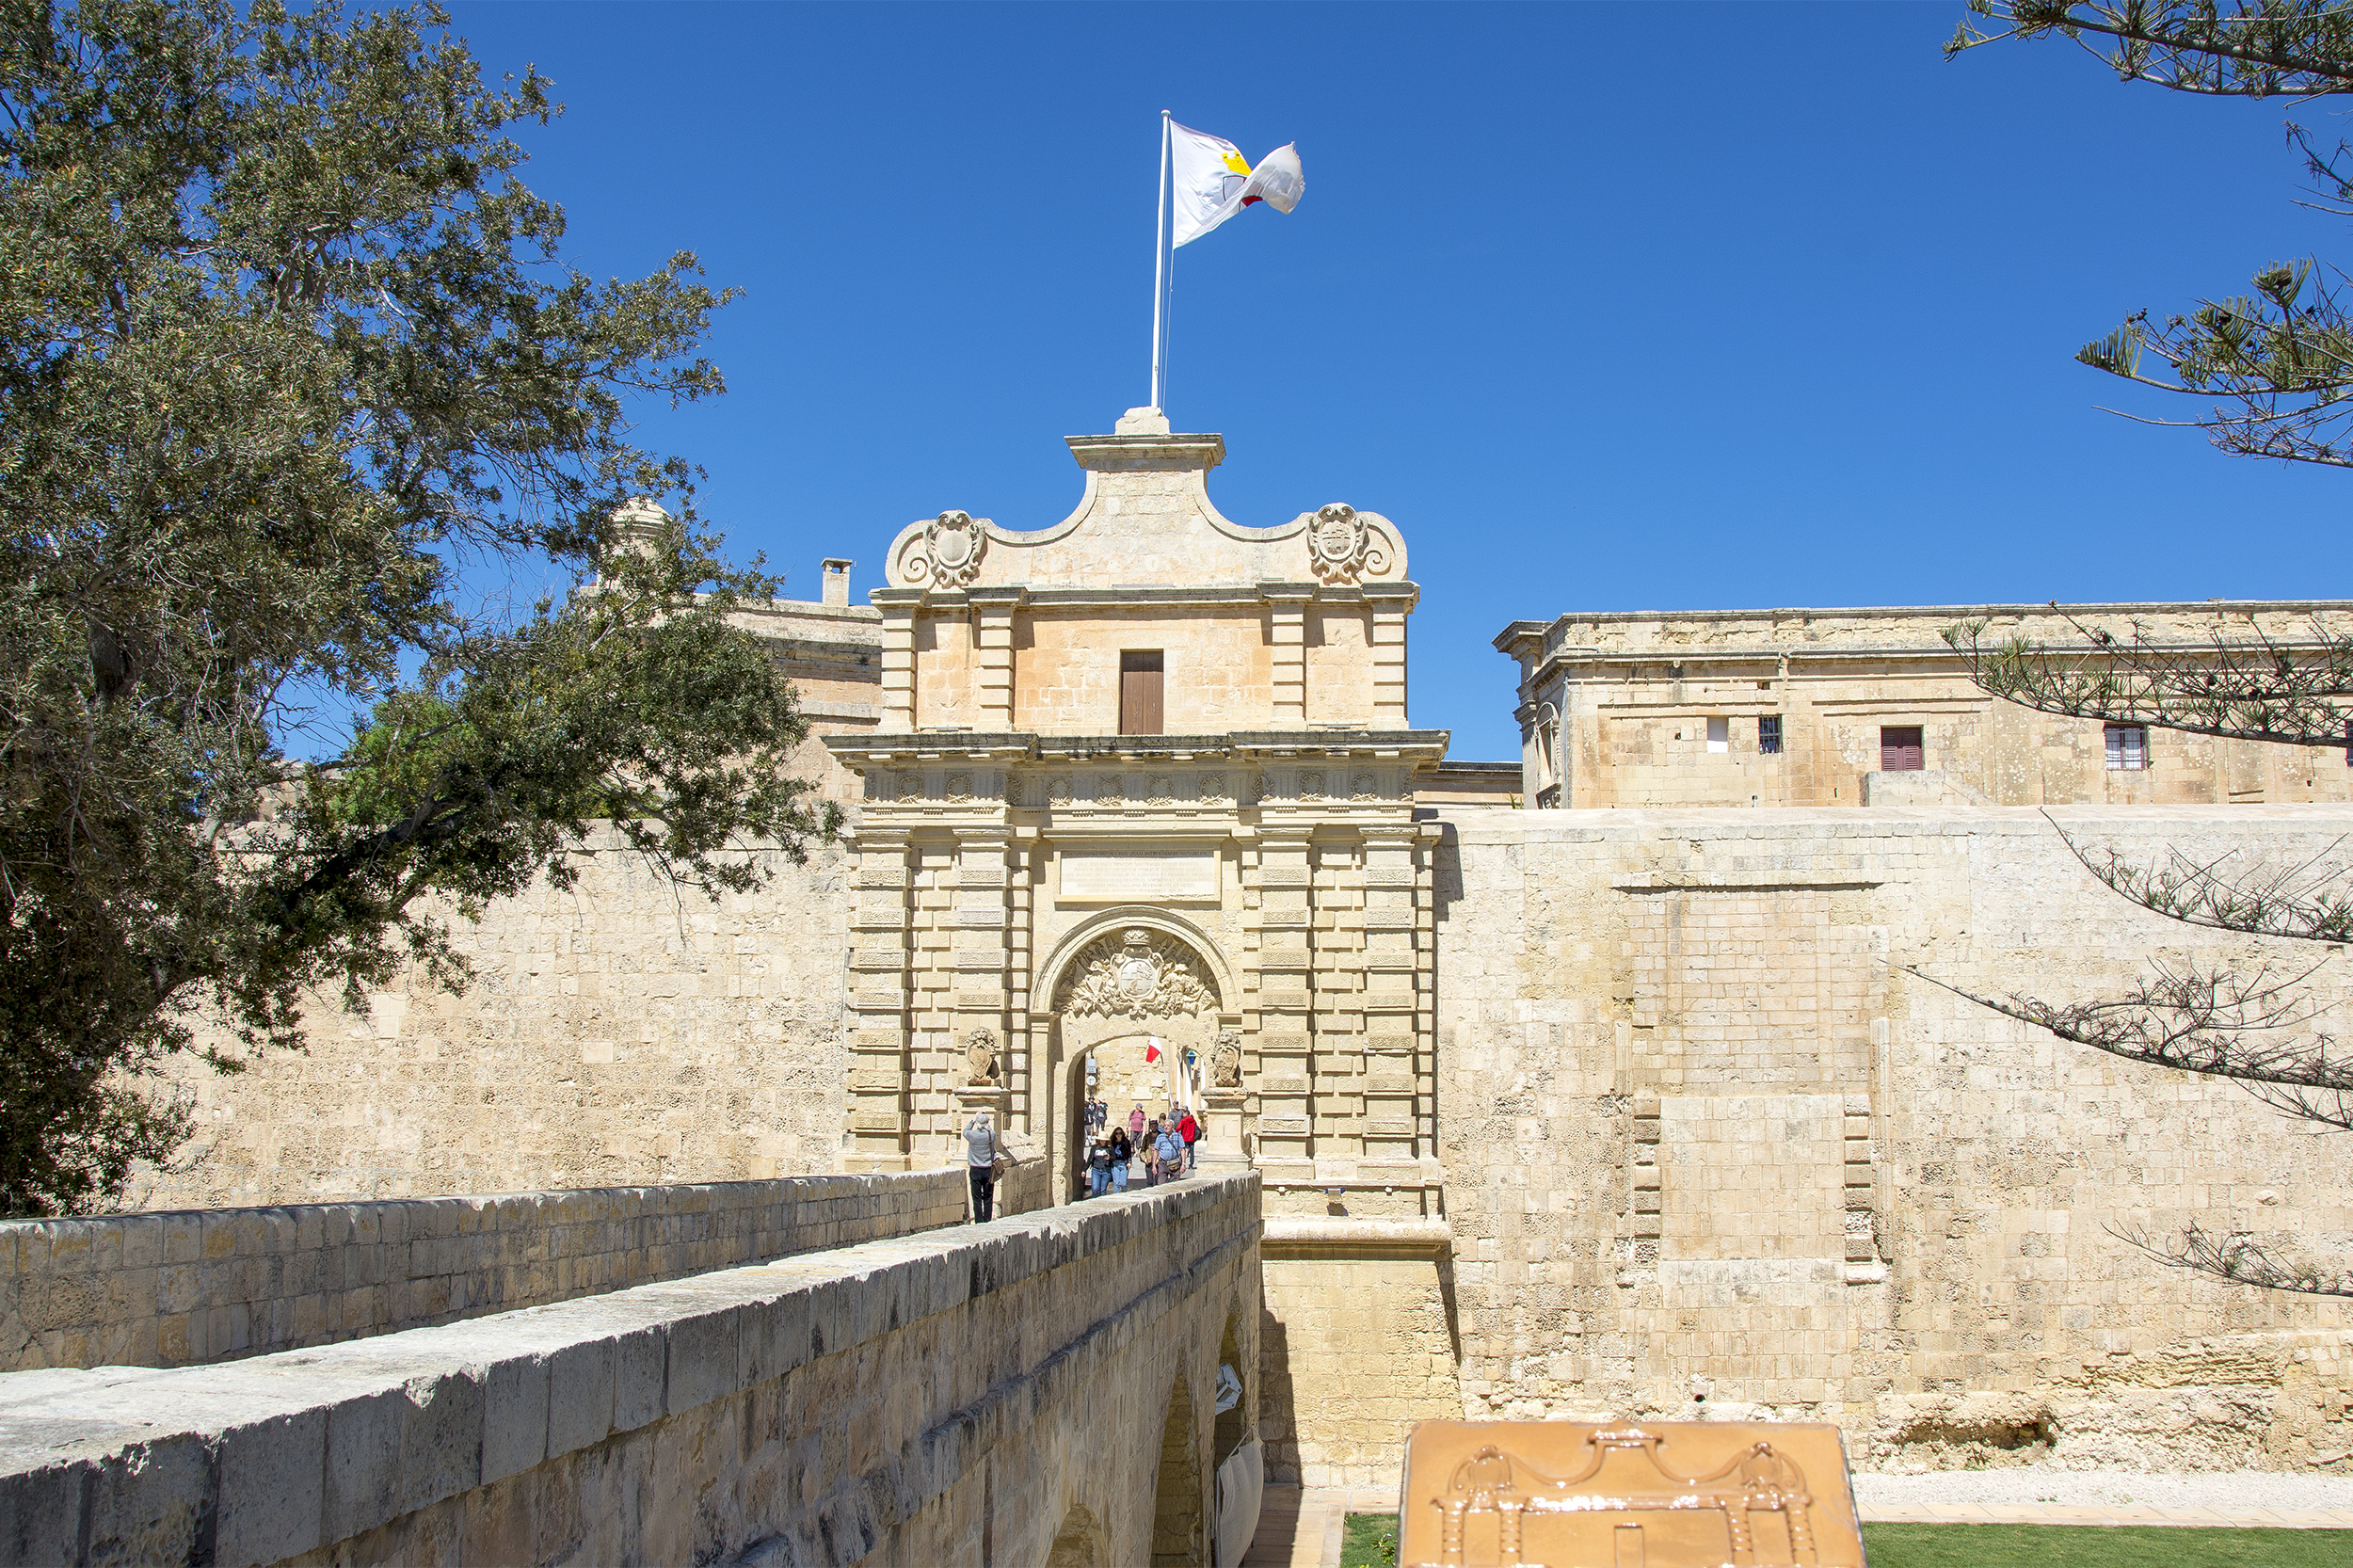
x: 1140, y: 693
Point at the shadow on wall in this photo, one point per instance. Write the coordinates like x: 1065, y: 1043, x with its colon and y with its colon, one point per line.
x: 1081, y: 1543
x: 1276, y: 1428
x: 1179, y: 1501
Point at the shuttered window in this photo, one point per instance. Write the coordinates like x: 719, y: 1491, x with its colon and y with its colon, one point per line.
x: 1899, y: 748
x: 1140, y: 693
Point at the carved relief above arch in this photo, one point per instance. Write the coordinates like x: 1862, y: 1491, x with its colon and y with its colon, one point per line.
x: 1186, y: 973
x: 1135, y: 972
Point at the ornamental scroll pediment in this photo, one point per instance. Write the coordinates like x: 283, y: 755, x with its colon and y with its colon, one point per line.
x: 1342, y: 547
x: 948, y: 553
x: 1136, y: 974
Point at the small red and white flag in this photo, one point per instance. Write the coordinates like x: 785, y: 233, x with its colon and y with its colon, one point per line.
x: 1213, y: 180
x: 1151, y: 1051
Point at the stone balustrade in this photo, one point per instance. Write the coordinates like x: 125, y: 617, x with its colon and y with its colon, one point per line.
x: 1039, y: 1388
x: 186, y: 1288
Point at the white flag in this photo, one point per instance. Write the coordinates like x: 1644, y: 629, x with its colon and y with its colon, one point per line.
x: 1214, y: 181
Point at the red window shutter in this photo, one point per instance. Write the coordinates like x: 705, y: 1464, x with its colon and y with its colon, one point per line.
x: 1139, y: 679
x: 1900, y: 750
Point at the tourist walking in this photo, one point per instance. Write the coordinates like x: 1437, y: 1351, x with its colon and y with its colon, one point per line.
x: 1122, y: 1151
x: 1098, y: 1168
x: 983, y: 1149
x: 1150, y: 1145
x: 1135, y: 1123
x: 1190, y: 1131
x: 1171, y: 1149
x: 1098, y: 1114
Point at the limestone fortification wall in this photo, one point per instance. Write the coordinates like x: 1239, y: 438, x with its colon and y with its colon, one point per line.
x: 625, y: 1032
x: 1709, y: 1147
x: 181, y: 1289
x: 1040, y: 1388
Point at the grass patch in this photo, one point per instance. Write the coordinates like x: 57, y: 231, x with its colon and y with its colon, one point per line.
x: 2101, y: 1545
x: 1372, y: 1543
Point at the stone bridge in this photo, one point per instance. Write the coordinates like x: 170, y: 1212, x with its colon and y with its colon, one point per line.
x: 1040, y: 1389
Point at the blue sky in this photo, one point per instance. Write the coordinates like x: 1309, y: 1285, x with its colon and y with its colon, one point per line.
x: 1609, y: 307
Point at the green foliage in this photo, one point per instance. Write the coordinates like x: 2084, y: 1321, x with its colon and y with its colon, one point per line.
x: 295, y: 394
x: 1369, y: 1541
x: 2276, y: 364
x: 2100, y: 1546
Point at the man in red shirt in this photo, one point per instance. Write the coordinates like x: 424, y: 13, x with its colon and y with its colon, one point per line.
x: 1190, y: 1131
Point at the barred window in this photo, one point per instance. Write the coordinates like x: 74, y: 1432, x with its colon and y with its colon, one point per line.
x: 1768, y: 735
x: 2128, y: 747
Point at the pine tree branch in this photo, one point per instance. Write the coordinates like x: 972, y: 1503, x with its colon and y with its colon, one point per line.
x: 2306, y: 901
x: 2258, y: 688
x: 2237, y: 1257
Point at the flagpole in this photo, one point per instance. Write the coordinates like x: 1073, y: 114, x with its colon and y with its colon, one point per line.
x: 1160, y: 262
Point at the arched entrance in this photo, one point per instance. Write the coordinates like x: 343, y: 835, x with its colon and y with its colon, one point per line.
x: 1143, y: 996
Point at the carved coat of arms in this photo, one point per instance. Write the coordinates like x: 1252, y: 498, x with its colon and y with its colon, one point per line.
x: 952, y: 543
x: 1138, y: 976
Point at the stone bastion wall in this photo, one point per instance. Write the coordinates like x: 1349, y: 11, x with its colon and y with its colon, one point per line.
x: 625, y: 1032
x: 1710, y: 1146
x: 200, y: 1285
x: 1039, y: 1388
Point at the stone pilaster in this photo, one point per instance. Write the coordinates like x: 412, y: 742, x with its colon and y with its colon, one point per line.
x: 1397, y: 1085
x: 876, y: 1135
x: 1032, y: 1099
x: 1286, y: 639
x: 982, y: 984
x: 992, y: 676
x: 1286, y: 996
x: 1339, y: 938
x: 898, y: 656
x: 935, y: 1061
x: 1387, y: 636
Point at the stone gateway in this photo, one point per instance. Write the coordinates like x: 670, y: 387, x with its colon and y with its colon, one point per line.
x: 1616, y: 1083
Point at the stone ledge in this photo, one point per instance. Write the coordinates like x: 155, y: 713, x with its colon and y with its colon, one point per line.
x: 1310, y: 1236
x: 284, y: 1453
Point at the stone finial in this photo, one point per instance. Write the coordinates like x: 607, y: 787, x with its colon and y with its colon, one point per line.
x: 837, y: 590
x: 1142, y: 422
x: 637, y: 522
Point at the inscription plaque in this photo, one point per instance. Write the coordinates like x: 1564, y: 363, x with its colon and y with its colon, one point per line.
x: 1141, y: 876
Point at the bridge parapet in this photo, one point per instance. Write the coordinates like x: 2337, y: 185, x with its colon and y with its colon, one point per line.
x: 181, y: 1289
x: 1041, y: 1385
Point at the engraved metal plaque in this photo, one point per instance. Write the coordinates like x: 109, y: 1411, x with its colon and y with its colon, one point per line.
x: 1637, y: 1494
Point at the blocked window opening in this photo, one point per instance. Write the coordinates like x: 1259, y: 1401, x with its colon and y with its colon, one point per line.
x: 1720, y: 734
x: 2128, y: 747
x: 1900, y: 750
x: 1768, y: 735
x: 1140, y: 677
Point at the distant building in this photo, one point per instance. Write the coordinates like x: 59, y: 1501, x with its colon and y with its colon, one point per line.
x: 1831, y: 707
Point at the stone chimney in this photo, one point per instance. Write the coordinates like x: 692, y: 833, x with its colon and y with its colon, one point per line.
x: 837, y: 580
